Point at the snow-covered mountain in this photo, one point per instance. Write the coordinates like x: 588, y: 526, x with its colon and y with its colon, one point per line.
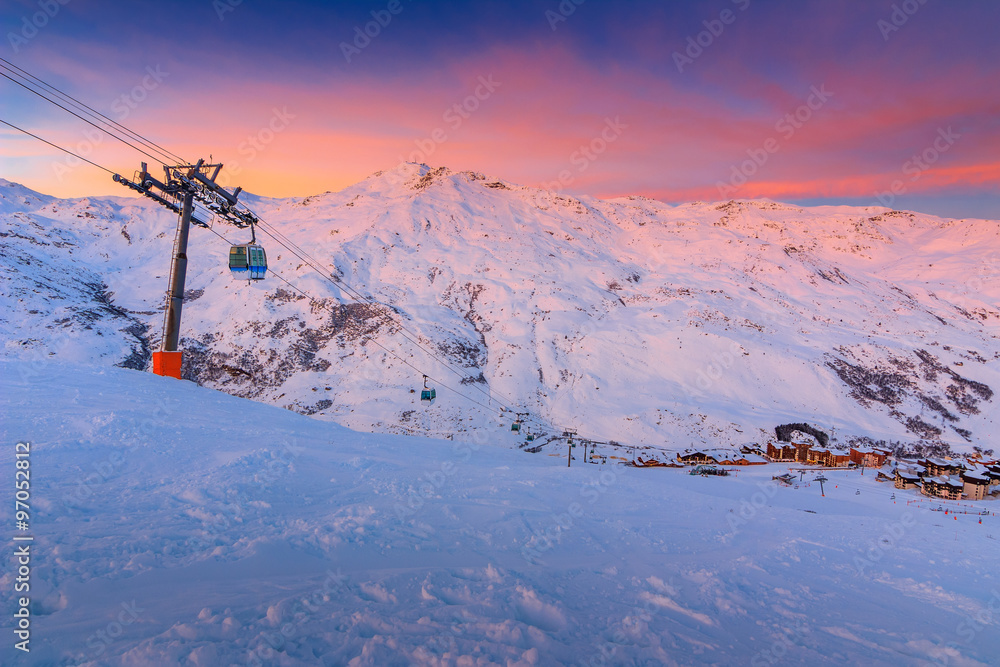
x: 628, y: 319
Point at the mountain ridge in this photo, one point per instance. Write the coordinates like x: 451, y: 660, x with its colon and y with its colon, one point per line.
x: 702, y: 323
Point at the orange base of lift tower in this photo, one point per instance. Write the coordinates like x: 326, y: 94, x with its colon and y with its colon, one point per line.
x: 167, y: 364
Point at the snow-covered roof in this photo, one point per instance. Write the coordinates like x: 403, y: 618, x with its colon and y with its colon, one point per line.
x: 865, y: 450
x: 943, y: 463
x: 944, y: 480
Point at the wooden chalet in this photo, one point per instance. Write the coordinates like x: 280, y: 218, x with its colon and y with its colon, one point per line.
x: 982, y: 459
x: 696, y: 457
x: 748, y: 459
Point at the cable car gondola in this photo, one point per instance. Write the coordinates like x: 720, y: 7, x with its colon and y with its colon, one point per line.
x: 427, y: 394
x: 518, y: 420
x: 248, y: 261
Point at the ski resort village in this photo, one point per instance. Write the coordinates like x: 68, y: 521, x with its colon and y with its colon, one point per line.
x: 500, y: 334
x: 972, y: 478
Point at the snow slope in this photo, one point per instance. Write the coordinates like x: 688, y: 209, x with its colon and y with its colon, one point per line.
x: 175, y: 524
x: 628, y: 319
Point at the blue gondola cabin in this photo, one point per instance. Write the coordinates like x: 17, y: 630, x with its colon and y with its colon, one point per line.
x: 248, y: 261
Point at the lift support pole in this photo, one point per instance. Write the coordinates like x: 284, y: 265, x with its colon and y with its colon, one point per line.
x: 168, y: 360
x: 184, y: 183
x: 570, y: 433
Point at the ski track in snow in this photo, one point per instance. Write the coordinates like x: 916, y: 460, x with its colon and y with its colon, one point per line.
x: 175, y: 524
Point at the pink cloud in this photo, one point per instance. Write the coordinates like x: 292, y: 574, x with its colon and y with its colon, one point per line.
x: 529, y: 123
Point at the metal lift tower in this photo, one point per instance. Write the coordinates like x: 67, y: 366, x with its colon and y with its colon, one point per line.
x: 182, y: 186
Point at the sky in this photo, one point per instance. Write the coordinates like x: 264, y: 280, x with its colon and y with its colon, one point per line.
x: 874, y: 102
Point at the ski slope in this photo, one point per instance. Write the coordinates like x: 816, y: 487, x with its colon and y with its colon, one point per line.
x: 175, y: 524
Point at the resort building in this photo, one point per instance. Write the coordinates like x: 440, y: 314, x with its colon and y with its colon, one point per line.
x: 937, y: 467
x: 943, y: 487
x: 906, y: 479
x: 870, y: 457
x: 976, y: 485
